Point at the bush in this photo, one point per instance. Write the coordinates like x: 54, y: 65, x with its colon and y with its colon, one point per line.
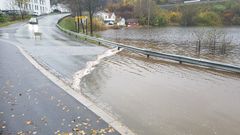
x: 236, y: 20
x: 98, y: 24
x: 175, y: 17
x: 208, y: 19
x: 219, y: 8
x: 3, y: 18
x: 142, y: 20
x: 188, y: 14
x: 160, y: 21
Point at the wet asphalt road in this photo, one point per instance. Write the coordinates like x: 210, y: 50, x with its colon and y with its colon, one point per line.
x: 56, y: 50
x: 32, y: 104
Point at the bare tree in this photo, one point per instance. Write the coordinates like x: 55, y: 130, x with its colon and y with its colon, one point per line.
x: 225, y: 41
x: 21, y: 4
x: 92, y: 6
x: 200, y: 36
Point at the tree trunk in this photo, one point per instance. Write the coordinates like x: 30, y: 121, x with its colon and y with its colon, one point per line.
x: 81, y: 21
x: 86, y: 26
x: 21, y: 12
x: 91, y: 24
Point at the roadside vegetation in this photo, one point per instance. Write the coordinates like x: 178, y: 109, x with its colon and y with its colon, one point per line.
x: 69, y: 23
x: 213, y: 14
x: 11, y: 18
x: 148, y: 12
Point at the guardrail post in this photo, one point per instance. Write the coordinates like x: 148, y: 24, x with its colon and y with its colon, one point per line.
x: 179, y: 58
x: 198, y: 47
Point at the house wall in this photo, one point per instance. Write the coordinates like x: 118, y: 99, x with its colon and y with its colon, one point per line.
x: 34, y: 6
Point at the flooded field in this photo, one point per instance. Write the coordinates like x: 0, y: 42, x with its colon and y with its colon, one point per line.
x: 179, y: 40
x: 160, y: 98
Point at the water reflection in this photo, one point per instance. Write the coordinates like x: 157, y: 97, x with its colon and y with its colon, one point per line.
x: 178, y: 40
x: 33, y: 28
x: 157, y: 98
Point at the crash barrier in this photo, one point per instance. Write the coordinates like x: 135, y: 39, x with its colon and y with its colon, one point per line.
x: 148, y: 53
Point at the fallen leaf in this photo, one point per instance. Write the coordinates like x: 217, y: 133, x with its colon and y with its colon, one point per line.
x: 29, y: 122
x: 20, y: 133
x: 76, y: 129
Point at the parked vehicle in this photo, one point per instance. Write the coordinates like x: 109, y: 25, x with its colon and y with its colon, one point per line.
x: 33, y: 21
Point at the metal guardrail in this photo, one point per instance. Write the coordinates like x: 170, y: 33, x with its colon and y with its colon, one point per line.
x: 148, y: 53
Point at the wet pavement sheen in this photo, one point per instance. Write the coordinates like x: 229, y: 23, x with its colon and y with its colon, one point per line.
x: 32, y: 104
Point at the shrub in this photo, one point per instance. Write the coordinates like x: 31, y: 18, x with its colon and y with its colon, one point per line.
x: 160, y: 21
x: 3, y: 18
x: 98, y: 24
x: 236, y: 20
x: 219, y: 8
x: 175, y: 17
x: 208, y: 19
x: 188, y: 14
x: 142, y: 20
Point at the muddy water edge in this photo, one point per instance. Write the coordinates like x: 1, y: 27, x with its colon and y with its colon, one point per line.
x: 155, y: 97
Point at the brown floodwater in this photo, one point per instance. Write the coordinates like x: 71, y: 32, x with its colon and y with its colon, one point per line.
x: 182, y: 41
x: 153, y: 97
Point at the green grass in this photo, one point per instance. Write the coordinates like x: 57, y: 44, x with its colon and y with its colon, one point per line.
x: 68, y: 23
x: 11, y: 22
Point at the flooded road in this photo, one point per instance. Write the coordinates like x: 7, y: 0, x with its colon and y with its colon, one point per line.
x: 61, y: 54
x: 160, y: 98
x: 181, y: 41
x: 150, y: 96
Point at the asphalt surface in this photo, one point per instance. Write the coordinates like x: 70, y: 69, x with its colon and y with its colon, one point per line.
x: 64, y: 54
x: 29, y: 102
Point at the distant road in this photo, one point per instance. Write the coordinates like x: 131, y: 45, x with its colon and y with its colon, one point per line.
x: 168, y: 6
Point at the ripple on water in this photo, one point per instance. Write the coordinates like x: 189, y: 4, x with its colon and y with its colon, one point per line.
x: 158, y: 97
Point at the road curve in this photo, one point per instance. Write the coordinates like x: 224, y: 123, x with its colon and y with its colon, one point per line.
x: 32, y: 104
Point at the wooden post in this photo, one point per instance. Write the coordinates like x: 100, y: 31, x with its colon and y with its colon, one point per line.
x: 199, y: 46
x: 78, y: 24
x: 86, y: 27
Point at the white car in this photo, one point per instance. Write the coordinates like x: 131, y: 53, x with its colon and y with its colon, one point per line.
x: 33, y: 21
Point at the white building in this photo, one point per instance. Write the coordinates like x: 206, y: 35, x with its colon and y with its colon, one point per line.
x: 107, y: 17
x: 122, y: 22
x: 61, y: 7
x: 37, y: 7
